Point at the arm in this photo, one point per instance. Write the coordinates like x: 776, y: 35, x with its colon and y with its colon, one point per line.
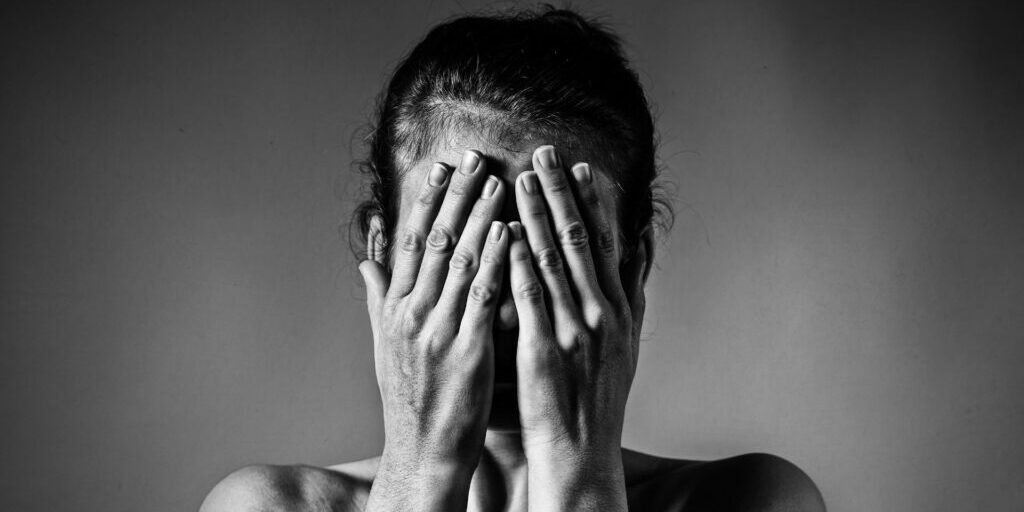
x: 433, y: 344
x: 431, y: 322
x: 577, y: 349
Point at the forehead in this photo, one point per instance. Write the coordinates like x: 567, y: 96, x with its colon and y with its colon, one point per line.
x: 506, y: 162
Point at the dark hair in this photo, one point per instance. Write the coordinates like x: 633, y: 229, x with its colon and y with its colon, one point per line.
x: 551, y: 73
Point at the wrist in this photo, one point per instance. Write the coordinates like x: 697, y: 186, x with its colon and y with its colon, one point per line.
x: 452, y: 452
x: 426, y: 465
x: 577, y: 483
x: 573, y: 455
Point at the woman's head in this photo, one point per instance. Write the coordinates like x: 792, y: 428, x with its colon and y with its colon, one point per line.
x: 503, y: 86
x: 511, y: 83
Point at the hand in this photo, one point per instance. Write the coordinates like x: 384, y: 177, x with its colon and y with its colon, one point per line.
x: 577, y: 351
x: 432, y: 334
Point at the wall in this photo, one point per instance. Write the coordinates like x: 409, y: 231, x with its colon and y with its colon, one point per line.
x: 843, y: 286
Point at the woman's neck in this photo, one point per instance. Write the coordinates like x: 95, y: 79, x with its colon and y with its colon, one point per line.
x: 499, y: 482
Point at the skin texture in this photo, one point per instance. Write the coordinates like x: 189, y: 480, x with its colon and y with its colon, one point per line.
x: 506, y: 329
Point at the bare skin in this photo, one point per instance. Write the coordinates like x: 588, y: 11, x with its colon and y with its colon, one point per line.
x: 504, y: 368
x: 751, y: 482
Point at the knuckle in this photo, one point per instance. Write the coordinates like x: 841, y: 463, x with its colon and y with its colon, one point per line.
x: 573, y: 336
x: 589, y: 197
x: 415, y: 318
x: 412, y: 241
x: 559, y: 185
x: 574, y: 235
x: 432, y: 343
x: 548, y: 258
x: 440, y: 239
x: 520, y: 255
x: 391, y: 303
x: 606, y: 241
x: 427, y: 198
x: 458, y: 188
x: 580, y: 339
x: 462, y: 261
x: 596, y: 315
x: 530, y: 291
x: 538, y: 212
x: 482, y: 294
x: 599, y: 320
x: 491, y: 256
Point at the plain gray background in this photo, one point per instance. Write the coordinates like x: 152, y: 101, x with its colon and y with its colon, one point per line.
x: 844, y: 286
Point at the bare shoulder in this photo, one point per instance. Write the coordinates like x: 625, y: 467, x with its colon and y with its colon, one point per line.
x: 341, y: 488
x: 750, y: 482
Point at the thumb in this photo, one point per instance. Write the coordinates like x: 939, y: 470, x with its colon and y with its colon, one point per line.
x: 376, y: 281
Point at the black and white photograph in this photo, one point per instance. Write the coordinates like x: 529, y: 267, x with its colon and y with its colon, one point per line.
x: 483, y: 256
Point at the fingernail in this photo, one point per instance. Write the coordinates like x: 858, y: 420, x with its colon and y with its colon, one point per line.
x: 470, y: 161
x: 490, y: 187
x: 516, y: 229
x: 438, y: 173
x: 582, y: 174
x: 547, y: 157
x: 530, y: 183
x: 497, y: 228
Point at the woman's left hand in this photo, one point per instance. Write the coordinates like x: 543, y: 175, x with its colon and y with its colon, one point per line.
x: 577, y: 342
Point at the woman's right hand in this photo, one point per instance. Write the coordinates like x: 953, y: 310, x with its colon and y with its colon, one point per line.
x: 433, y: 343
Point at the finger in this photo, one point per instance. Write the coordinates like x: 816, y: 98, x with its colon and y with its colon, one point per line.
x: 447, y: 227
x: 536, y: 354
x: 467, y: 258
x: 482, y: 299
x: 527, y: 289
x: 534, y: 215
x: 602, y: 239
x: 411, y: 242
x: 570, y: 230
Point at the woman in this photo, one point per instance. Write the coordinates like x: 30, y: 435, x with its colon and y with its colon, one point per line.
x: 509, y: 237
